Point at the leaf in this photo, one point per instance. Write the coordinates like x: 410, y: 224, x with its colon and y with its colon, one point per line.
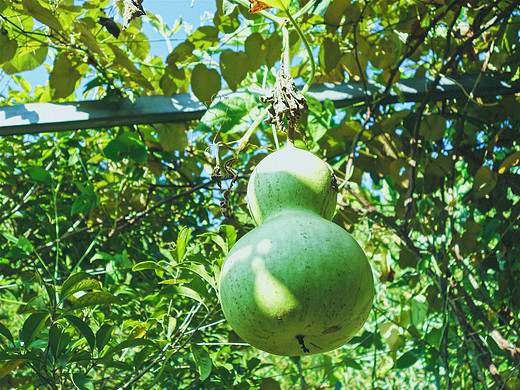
x: 256, y: 50
x: 103, y: 336
x: 71, y: 281
x: 38, y: 12
x: 127, y: 145
x: 86, y: 201
x: 145, y: 265
x: 39, y: 175
x: 205, y: 84
x: 269, y: 384
x: 335, y: 11
x: 406, y: 360
x: 63, y: 77
x: 95, y: 298
x: 329, y: 54
x: 183, y: 291
x: 86, y: 37
x: 55, y: 333
x: 200, y: 270
x: 282, y: 4
x: 6, y: 333
x: 233, y: 66
x: 182, y: 243
x: 510, y: 161
x: 202, y: 361
x: 204, y: 37
x: 9, y: 366
x: 85, y: 330
x: 172, y: 136
x: 8, y: 46
x: 231, y: 235
x: 419, y: 308
x: 433, y: 127
x: 137, y: 342
x: 82, y: 382
x: 227, y: 22
x: 32, y: 326
x: 26, y: 58
x: 484, y: 182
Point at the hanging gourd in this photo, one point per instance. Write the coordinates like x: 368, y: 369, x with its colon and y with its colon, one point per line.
x: 297, y: 283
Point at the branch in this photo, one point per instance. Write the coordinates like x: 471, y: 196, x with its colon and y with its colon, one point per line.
x: 484, y: 354
x: 408, y: 203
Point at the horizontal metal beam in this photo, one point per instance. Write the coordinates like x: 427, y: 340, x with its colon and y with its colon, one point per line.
x: 34, y: 118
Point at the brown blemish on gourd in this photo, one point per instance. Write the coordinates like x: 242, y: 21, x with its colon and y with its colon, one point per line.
x: 332, y: 329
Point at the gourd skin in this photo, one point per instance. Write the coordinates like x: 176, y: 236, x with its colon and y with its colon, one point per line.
x: 297, y: 283
x: 296, y: 275
x: 290, y: 178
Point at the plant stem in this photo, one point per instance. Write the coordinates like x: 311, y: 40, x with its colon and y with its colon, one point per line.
x: 309, y: 51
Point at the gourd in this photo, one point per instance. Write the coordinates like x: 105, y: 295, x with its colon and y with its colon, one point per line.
x: 297, y: 283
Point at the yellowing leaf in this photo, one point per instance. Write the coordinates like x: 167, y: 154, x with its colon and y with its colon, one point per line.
x: 510, y: 161
x: 38, y: 12
x: 282, y: 4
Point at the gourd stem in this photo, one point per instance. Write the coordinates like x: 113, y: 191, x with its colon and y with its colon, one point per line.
x: 286, y: 66
x: 275, y: 137
x: 309, y: 51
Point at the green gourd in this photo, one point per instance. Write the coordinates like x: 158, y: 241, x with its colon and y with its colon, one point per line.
x: 297, y: 283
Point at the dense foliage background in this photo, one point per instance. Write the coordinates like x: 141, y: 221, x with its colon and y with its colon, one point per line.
x: 112, y: 239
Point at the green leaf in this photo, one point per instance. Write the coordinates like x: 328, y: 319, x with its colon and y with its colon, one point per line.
x: 6, y: 333
x: 129, y: 344
x: 256, y: 51
x: 144, y: 265
x: 172, y: 136
x: 202, y: 361
x: 63, y: 77
x: 200, y: 270
x: 85, y: 330
x: 205, y: 84
x: 182, y: 243
x: 329, y: 55
x: 433, y: 127
x: 231, y: 234
x: 55, y: 333
x: 39, y: 175
x: 42, y: 14
x: 204, y: 37
x: 227, y: 23
x: 233, y: 66
x: 82, y: 382
x: 509, y: 162
x: 32, y: 326
x: 274, y: 51
x: 406, y: 360
x: 419, y: 307
x: 86, y: 201
x: 103, y: 336
x: 127, y: 145
x: 183, y: 291
x: 95, y: 298
x: 484, y: 182
x: 71, y: 281
x: 269, y: 384
x: 8, y: 46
